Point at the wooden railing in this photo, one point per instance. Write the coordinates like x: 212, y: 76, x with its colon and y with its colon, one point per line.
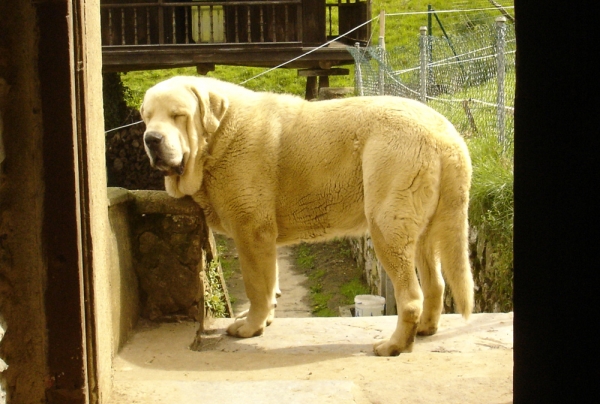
x: 344, y: 15
x: 202, y: 22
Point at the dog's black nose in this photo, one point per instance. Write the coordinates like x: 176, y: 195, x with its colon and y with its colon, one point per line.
x: 153, y: 139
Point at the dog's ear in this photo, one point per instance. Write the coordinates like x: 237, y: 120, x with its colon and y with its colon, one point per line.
x: 212, y: 108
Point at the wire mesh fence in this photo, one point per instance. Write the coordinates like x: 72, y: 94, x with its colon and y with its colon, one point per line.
x: 468, y: 75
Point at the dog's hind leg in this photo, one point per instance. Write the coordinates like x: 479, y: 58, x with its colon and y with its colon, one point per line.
x: 450, y: 230
x: 432, y: 284
x: 394, y: 237
x: 396, y: 216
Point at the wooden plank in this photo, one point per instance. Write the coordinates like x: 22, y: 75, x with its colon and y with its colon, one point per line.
x: 323, y: 72
x: 313, y: 22
x: 130, y: 58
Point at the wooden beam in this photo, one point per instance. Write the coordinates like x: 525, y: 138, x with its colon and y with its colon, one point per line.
x: 129, y: 58
x: 323, y: 72
x: 204, y: 68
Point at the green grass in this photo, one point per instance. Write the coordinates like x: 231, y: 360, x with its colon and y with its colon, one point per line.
x: 491, y: 213
x: 400, y: 30
x: 278, y: 81
x: 353, y: 288
x: 318, y: 299
x: 305, y: 259
x: 319, y: 305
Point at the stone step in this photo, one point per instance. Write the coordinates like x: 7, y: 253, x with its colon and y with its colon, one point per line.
x: 318, y: 360
x: 225, y: 392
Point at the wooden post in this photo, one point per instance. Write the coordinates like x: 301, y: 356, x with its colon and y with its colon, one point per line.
x: 382, y: 29
x: 311, y: 88
x: 470, y: 118
x: 424, y: 48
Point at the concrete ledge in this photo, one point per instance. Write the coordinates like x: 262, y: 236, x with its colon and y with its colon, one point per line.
x: 117, y: 196
x: 153, y: 202
x: 161, y: 202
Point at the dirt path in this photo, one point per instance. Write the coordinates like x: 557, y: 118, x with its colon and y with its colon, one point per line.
x: 294, y: 300
x: 319, y: 279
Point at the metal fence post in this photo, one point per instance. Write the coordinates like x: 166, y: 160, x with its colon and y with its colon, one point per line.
x: 358, y: 72
x: 382, y: 56
x: 501, y: 27
x: 423, y: 48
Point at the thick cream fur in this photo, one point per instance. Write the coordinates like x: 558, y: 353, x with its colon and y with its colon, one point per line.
x: 271, y: 169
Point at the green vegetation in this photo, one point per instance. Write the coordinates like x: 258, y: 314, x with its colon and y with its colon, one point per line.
x: 229, y: 264
x: 401, y: 30
x: 305, y: 260
x: 333, y: 277
x: 214, y: 295
x: 319, y: 298
x: 304, y: 257
x: 353, y: 288
x: 491, y: 213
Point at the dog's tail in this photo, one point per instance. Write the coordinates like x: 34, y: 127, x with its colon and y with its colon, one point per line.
x: 449, y: 229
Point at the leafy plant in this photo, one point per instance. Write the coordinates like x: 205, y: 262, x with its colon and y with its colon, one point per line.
x: 214, y: 295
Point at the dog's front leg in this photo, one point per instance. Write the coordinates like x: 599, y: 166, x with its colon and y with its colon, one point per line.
x: 258, y: 257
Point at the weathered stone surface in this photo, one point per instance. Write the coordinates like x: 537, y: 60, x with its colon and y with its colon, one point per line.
x: 487, y: 299
x: 169, y: 264
x: 160, y: 202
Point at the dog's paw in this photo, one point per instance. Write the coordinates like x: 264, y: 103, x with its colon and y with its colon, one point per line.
x: 242, y: 329
x: 427, y: 329
x: 387, y: 348
x: 271, y: 317
x: 244, y: 314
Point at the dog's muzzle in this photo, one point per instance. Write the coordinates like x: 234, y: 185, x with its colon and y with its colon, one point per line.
x: 154, y: 142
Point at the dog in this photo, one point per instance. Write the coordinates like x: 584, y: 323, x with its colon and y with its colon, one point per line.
x: 273, y: 169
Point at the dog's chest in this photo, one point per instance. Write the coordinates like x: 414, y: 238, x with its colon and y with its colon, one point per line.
x: 210, y: 215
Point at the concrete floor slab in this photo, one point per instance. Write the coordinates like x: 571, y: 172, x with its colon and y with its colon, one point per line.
x: 318, y: 360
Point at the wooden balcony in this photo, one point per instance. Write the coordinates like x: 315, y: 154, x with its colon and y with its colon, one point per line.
x: 157, y: 34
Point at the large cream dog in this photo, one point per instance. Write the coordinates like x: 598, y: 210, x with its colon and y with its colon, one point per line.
x: 271, y: 169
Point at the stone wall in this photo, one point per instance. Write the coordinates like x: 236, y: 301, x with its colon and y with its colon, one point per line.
x: 376, y: 277
x: 487, y: 299
x: 171, y: 248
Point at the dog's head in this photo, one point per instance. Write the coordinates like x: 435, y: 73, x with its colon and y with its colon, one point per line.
x: 181, y: 115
